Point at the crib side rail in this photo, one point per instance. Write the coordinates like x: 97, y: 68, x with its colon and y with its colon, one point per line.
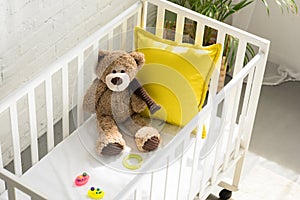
x: 14, y: 183
x: 202, y: 183
x: 55, y: 96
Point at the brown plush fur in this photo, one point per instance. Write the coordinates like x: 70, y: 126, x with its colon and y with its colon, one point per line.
x: 117, y: 111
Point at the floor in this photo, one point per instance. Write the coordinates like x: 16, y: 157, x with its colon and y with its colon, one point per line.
x: 274, y: 161
x: 276, y: 134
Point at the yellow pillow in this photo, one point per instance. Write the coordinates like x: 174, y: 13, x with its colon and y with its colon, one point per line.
x: 175, y: 75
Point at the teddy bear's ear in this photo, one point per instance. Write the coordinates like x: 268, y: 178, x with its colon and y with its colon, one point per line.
x: 139, y: 58
x: 102, y: 54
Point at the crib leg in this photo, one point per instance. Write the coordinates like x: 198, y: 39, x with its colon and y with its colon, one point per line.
x: 238, y: 171
x: 225, y: 194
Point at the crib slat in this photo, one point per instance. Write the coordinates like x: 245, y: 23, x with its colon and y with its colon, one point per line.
x: 80, y: 89
x: 33, y: 127
x: 144, y: 14
x: 124, y: 33
x: 199, y: 33
x: 1, y: 158
x: 196, y: 154
x: 243, y: 112
x: 224, y: 122
x: 110, y: 40
x: 151, y: 186
x: 16, y: 139
x: 65, y: 94
x: 179, y: 28
x: 239, y: 135
x: 180, y: 172
x: 137, y: 194
x: 247, y: 92
x: 232, y: 124
x: 166, y: 179
x: 202, y: 179
x: 235, y: 99
x: 2, y: 183
x: 240, y: 56
x: 139, y: 17
x: 49, y: 103
x: 215, y: 76
x: 160, y: 21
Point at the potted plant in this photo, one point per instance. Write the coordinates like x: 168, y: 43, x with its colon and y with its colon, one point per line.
x: 222, y: 10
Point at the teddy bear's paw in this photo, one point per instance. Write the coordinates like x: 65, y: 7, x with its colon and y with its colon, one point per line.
x: 151, y: 144
x: 112, y: 149
x: 147, y: 139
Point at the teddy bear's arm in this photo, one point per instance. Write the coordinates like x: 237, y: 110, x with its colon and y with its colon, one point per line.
x: 89, y: 101
x: 137, y: 104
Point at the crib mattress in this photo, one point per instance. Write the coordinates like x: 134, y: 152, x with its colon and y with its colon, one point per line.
x: 54, y: 175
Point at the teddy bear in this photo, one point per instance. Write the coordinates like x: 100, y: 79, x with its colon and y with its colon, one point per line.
x: 117, y: 98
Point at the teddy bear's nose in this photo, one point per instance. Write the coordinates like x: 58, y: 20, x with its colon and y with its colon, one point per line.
x: 116, y: 81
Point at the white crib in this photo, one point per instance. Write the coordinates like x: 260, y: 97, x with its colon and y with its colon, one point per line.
x: 187, y: 173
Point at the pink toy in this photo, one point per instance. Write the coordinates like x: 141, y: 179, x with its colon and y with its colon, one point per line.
x: 82, y: 179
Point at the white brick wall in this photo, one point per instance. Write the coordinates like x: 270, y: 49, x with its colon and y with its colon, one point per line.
x: 33, y: 33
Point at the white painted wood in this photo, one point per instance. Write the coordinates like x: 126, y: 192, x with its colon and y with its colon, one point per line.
x: 240, y: 54
x: 199, y: 33
x: 80, y: 91
x: 2, y: 182
x: 49, y: 104
x: 110, y: 40
x: 65, y: 96
x: 179, y: 28
x: 139, y: 17
x: 255, y: 92
x: 166, y: 179
x: 33, y: 127
x: 247, y: 92
x: 124, y: 33
x: 180, y: 174
x: 144, y: 14
x: 224, y: 122
x: 235, y: 98
x: 15, y: 139
x: 151, y: 186
x: 196, y: 153
x: 202, y: 181
x: 1, y: 161
x: 15, y: 182
x: 215, y: 76
x: 138, y: 194
x: 242, y: 119
x: 160, y: 21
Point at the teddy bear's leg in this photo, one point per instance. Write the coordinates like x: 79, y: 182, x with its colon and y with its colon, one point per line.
x: 147, y: 138
x: 110, y: 141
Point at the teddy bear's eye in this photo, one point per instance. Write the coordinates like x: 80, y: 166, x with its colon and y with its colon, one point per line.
x: 122, y: 71
x: 114, y: 71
